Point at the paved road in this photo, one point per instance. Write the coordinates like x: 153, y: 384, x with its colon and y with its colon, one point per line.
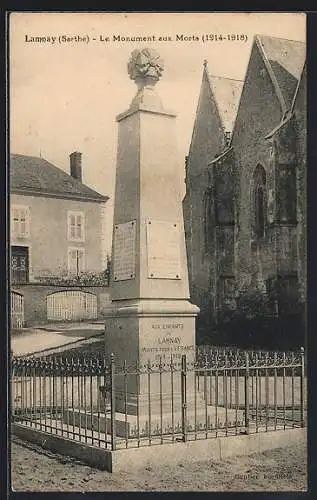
x: 37, y: 339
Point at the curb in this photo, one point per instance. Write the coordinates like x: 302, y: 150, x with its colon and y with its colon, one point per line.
x: 172, y: 453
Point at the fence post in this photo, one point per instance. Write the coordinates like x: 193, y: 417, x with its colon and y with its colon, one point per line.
x: 183, y: 397
x: 302, y: 379
x: 246, y: 393
x: 113, y: 402
x: 12, y: 387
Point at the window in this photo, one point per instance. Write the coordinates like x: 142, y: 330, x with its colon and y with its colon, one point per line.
x: 76, y: 261
x: 20, y: 221
x: 227, y: 138
x: 226, y: 291
x: 76, y: 226
x: 19, y: 264
x: 259, y: 201
x: 286, y: 194
x: 259, y: 211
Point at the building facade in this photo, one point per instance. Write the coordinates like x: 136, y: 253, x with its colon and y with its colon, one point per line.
x: 245, y: 202
x: 55, y: 227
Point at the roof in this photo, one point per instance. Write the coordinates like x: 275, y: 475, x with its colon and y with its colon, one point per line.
x: 290, y: 113
x: 218, y: 158
x: 34, y: 175
x: 301, y: 81
x: 286, y: 59
x: 227, y: 92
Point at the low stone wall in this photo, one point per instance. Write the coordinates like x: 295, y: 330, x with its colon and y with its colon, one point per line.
x: 136, y: 458
x: 35, y: 308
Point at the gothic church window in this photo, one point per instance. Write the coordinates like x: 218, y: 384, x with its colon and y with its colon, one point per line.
x: 259, y: 201
x: 259, y: 211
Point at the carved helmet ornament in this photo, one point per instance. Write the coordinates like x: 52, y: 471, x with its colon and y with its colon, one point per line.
x: 145, y: 65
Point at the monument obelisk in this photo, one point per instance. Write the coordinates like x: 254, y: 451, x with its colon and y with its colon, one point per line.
x: 151, y: 317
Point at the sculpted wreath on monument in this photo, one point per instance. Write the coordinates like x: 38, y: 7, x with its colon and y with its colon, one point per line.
x: 145, y: 63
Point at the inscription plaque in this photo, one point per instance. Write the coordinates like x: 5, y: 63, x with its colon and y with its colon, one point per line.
x: 163, y: 249
x: 124, y: 251
x: 166, y: 339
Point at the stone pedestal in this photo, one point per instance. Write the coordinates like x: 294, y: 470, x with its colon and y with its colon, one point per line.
x: 151, y: 317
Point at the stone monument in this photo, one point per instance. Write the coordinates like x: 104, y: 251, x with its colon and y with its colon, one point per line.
x: 151, y: 317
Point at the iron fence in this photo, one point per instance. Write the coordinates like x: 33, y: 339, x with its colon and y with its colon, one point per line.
x: 103, y: 403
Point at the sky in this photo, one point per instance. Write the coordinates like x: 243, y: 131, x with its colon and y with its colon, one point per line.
x: 64, y: 97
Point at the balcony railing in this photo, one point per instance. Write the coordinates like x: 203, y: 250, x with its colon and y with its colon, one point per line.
x: 60, y: 277
x: 19, y: 276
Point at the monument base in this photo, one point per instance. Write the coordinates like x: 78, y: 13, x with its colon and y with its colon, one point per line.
x: 165, y: 423
x: 150, y: 331
x: 154, y: 403
x: 148, y: 339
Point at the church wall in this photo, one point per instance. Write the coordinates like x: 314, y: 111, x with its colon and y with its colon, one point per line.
x: 207, y: 141
x: 243, y: 281
x: 300, y: 110
x: 259, y: 112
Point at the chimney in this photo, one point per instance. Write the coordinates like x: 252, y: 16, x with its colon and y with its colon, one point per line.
x: 75, y: 165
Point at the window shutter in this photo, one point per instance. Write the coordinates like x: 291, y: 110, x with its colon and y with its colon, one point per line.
x: 78, y: 227
x: 71, y: 261
x: 76, y: 260
x: 15, y: 218
x: 21, y: 221
x: 75, y: 226
x: 26, y: 216
x: 81, y: 260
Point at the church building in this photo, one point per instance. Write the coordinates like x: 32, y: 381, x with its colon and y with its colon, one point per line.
x: 245, y: 202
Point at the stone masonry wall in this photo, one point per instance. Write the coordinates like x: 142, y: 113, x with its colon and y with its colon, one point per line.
x: 35, y: 310
x: 300, y: 109
x: 207, y: 142
x: 259, y: 112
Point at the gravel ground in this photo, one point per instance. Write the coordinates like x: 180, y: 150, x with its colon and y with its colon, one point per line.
x: 284, y: 469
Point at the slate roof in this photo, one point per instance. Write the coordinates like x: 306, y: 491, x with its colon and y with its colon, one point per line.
x: 227, y: 92
x: 34, y: 175
x: 286, y: 59
x: 301, y: 81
